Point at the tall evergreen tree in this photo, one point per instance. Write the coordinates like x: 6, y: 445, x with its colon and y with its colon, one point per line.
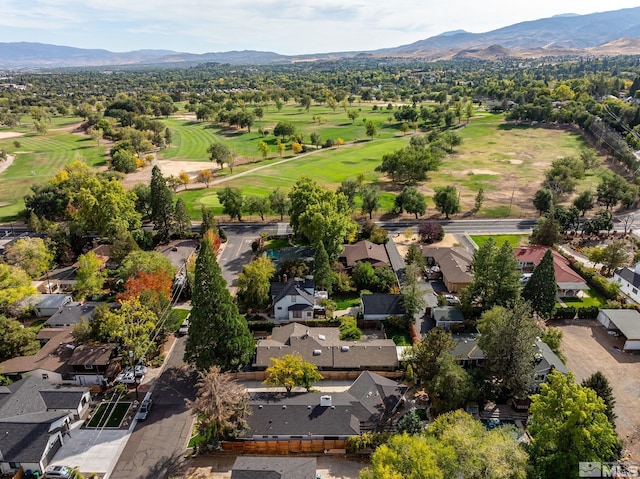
x: 322, y: 274
x: 218, y: 335
x: 161, y: 204
x: 541, y: 289
x: 182, y: 219
x: 208, y: 221
x: 600, y: 384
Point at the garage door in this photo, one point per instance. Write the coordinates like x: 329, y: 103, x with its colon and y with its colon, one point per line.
x: 604, y: 320
x: 57, y: 443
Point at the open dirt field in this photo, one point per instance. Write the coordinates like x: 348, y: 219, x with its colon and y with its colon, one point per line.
x: 169, y: 168
x: 589, y: 348
x: 403, y: 243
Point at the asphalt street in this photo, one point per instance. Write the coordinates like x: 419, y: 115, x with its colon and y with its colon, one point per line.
x: 157, y: 445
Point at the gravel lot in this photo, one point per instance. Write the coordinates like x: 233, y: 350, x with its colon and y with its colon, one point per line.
x: 589, y: 348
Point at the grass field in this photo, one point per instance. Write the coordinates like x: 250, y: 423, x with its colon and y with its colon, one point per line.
x: 593, y: 298
x: 505, y: 160
x: 513, y: 240
x: 109, y: 415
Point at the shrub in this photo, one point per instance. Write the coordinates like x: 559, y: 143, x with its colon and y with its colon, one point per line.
x: 565, y: 313
x: 367, y: 440
x: 349, y: 330
x: 260, y: 326
x: 590, y: 312
x: 596, y: 281
x: 329, y: 143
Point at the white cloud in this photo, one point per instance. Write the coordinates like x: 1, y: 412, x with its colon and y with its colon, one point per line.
x: 304, y: 26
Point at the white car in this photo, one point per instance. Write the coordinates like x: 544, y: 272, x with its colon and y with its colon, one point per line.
x: 143, y: 410
x: 58, y: 471
x: 129, y: 377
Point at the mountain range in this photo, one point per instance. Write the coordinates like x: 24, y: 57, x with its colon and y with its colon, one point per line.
x: 606, y: 33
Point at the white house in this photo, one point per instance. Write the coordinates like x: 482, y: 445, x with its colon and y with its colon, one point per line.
x: 625, y: 322
x: 294, y: 300
x: 629, y: 281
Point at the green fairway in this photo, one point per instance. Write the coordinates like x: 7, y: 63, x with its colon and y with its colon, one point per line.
x: 37, y: 159
x: 513, y: 240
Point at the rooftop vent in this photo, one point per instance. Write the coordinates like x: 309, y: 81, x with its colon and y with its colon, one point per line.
x: 344, y: 349
x: 322, y: 337
x: 325, y: 401
x: 317, y: 352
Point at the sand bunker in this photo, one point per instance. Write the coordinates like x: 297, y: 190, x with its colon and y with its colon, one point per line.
x: 9, y: 134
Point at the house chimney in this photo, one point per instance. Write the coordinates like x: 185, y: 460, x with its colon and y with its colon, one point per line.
x: 325, y: 401
x: 284, y: 278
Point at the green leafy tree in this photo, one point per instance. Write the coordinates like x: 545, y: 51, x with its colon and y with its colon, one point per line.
x: 543, y: 200
x: 220, y: 154
x: 451, y: 387
x: 541, y: 290
x: 254, y: 282
x: 315, y: 139
x: 143, y: 199
x: 349, y: 188
x: 208, y: 221
x: 33, y: 255
x: 370, y: 195
x: 90, y: 276
x: 16, y: 340
x: 548, y: 230
x: 410, y: 423
x: 144, y: 262
x: 611, y: 189
x: 411, y: 201
x: 424, y: 355
x: 584, y: 202
x: 284, y: 129
x: 414, y: 256
x: 322, y: 274
x: 508, y: 337
x: 411, y: 294
x: 353, y: 114
x: 182, y: 222
x: 568, y: 425
x: 496, y: 277
x: 221, y: 406
x: 552, y: 337
x: 349, y: 330
x: 15, y: 285
x: 290, y: 371
x: 218, y: 335
x: 479, y: 200
x: 611, y: 257
x: 263, y: 147
x: 257, y: 204
x: 446, y: 200
x: 600, y: 384
x: 279, y: 202
x: 161, y: 201
x: 371, y: 129
x: 231, y: 200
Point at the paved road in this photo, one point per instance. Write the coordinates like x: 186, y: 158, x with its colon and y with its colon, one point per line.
x: 157, y: 445
x: 237, y: 252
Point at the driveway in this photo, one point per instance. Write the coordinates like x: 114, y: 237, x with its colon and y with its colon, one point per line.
x: 157, y: 445
x: 588, y: 348
x: 236, y: 253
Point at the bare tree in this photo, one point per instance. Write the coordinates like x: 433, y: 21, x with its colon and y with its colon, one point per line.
x: 221, y: 405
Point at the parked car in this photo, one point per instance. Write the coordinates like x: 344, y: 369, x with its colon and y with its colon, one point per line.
x: 143, y: 410
x: 129, y: 377
x: 451, y: 299
x: 58, y: 471
x: 184, y: 328
x: 140, y: 370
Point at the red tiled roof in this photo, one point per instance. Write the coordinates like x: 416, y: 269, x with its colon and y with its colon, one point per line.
x: 533, y: 254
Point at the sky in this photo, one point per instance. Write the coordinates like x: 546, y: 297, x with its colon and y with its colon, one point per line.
x: 282, y: 26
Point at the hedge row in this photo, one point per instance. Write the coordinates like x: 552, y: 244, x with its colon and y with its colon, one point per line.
x: 589, y: 312
x: 597, y: 282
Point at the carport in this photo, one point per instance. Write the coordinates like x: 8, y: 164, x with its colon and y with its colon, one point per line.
x: 624, y: 321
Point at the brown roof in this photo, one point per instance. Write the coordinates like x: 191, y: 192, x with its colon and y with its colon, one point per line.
x: 51, y: 357
x: 367, y: 251
x: 454, y: 263
x: 96, y: 355
x: 533, y: 254
x: 48, y: 333
x: 323, y: 347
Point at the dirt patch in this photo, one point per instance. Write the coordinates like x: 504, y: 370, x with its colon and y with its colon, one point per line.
x: 588, y: 349
x: 6, y: 164
x: 169, y: 168
x: 9, y: 134
x: 479, y: 172
x: 403, y: 243
x: 515, y: 162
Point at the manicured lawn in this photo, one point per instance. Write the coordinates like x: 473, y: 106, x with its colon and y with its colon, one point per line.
x: 276, y: 244
x: 513, y: 240
x: 346, y: 301
x: 109, y: 415
x: 593, y: 299
x: 38, y: 159
x: 400, y: 336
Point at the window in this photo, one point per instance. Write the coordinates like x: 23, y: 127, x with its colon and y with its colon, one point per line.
x: 293, y: 299
x: 88, y: 366
x: 635, y: 290
x: 308, y: 313
x: 45, y: 376
x: 14, y: 465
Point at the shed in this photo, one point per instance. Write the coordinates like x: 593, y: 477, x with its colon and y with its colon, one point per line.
x: 624, y: 321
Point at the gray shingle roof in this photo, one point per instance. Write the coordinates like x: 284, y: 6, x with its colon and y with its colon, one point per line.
x: 382, y: 304
x: 72, y: 314
x: 630, y: 276
x: 447, y: 313
x: 24, y: 442
x: 292, y: 287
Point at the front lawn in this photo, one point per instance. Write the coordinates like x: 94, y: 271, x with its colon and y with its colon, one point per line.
x: 109, y: 415
x: 593, y: 298
x: 346, y: 301
x: 513, y: 240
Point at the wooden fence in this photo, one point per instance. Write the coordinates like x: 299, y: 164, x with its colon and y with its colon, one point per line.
x: 291, y: 446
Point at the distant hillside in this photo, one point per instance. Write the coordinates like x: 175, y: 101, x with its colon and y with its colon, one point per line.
x: 607, y: 33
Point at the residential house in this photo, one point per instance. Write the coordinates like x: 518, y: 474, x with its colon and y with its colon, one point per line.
x: 629, y: 281
x: 446, y: 316
x: 468, y: 354
x: 367, y: 405
x: 71, y: 314
x: 569, y: 283
x: 34, y: 417
x: 324, y: 348
x: 49, y: 363
x: 624, y: 322
x: 450, y: 264
x: 252, y: 467
x: 364, y: 251
x: 379, y: 306
x: 295, y: 299
x: 60, y: 361
x: 46, y: 305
